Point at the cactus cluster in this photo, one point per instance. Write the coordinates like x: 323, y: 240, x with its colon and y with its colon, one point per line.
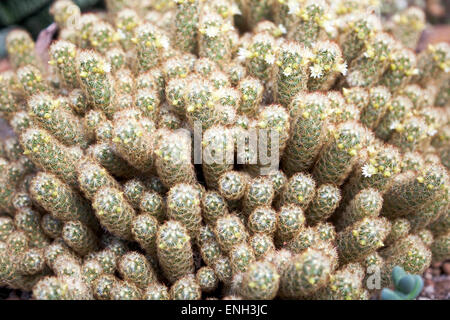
x: 191, y: 149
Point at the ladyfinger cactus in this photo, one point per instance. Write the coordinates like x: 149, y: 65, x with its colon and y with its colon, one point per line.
x: 135, y: 268
x: 260, y: 281
x: 324, y: 203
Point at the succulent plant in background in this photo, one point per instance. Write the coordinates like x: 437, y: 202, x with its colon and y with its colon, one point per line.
x: 406, y: 286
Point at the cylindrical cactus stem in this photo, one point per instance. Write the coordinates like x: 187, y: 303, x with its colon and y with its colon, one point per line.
x: 85, y: 24
x: 229, y: 231
x: 357, y: 96
x: 133, y: 190
x: 410, y: 192
x: 345, y: 284
x: 400, y: 228
x: 378, y: 105
x: 407, y: 26
x: 78, y: 101
x: 232, y: 185
x: 292, y: 69
x: 401, y: 69
x: 126, y: 22
x: 263, y: 220
x: 283, y: 14
x: 325, y: 202
x: 262, y: 245
x: 144, y: 229
x: 135, y: 268
x: 103, y: 37
x: 28, y: 220
x: 59, y: 199
x: 91, y: 270
x: 48, y: 112
x: 410, y: 135
x: 366, y: 204
x: 430, y: 212
x: 214, y: 206
x: 183, y: 205
x: 260, y: 282
x: 410, y: 253
x: 299, y: 190
x: 20, y: 47
x: 114, y: 212
x: 124, y: 84
x: 55, y: 249
x: 176, y: 67
x: 308, y: 131
x: 206, y: 279
x: 198, y: 98
x: 326, y: 66
x: 51, y: 288
x: 310, y: 18
x: 291, y: 220
x: 174, y: 92
x: 62, y: 54
x: 152, y: 203
x: 6, y: 227
x: 173, y: 159
x: 186, y: 288
x: 426, y: 236
x: 305, y: 274
x: 362, y: 238
x: 32, y: 262
x: 92, y: 177
x: 174, y: 250
x: 8, y: 100
x: 255, y: 11
x: 125, y: 290
x: 186, y: 24
x: 95, y: 80
x: 241, y: 256
x: 304, y: 239
x: 133, y: 141
x: 157, y: 291
x: 360, y: 29
x: 79, y: 237
x: 223, y: 270
x: 147, y: 101
x: 251, y: 90
x: 31, y: 80
x: 210, y: 252
x: 337, y: 157
x: 367, y: 69
x: 217, y: 154
x: 106, y: 155
x: 117, y: 59
x: 440, y: 247
x: 65, y: 13
x: 150, y: 44
x: 433, y: 62
x: 259, y: 57
x: 214, y: 40
x: 258, y: 193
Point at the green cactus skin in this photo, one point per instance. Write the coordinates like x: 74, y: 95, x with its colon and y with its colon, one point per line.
x: 402, y: 67
x: 32, y: 262
x: 135, y: 268
x: 426, y: 187
x: 95, y: 80
x: 229, y: 231
x: 125, y: 290
x: 241, y: 256
x: 258, y: 193
x: 183, y: 205
x: 324, y: 203
x: 411, y: 135
x: 432, y: 62
x: 6, y: 227
x: 262, y: 245
x: 426, y: 236
x: 218, y: 153
x: 174, y: 250
x: 102, y: 286
x: 114, y: 212
x: 372, y: 114
x: 328, y: 63
x: 92, y: 177
x: 49, y: 154
x: 28, y: 220
x: 31, y: 80
x: 308, y: 133
x: 214, y: 206
x: 232, y: 185
x: 367, y: 69
x: 291, y: 220
x: 259, y: 56
x: 157, y: 291
x: 151, y: 203
x: 345, y: 284
x: 222, y: 268
x: 263, y: 220
x: 102, y: 37
x: 47, y: 111
x: 292, y: 67
x: 251, y: 90
x: 186, y: 24
x: 64, y: 13
x: 62, y: 55
x: 367, y: 203
x: 186, y: 288
x: 20, y: 48
x: 305, y: 274
x: 51, y: 288
x: 106, y: 155
x: 91, y: 270
x: 56, y: 248
x: 299, y: 190
x: 440, y: 247
x: 407, y: 26
x: 133, y: 190
x: 59, y: 199
x: 79, y: 237
x: 206, y: 279
x: 144, y: 230
x: 362, y: 238
x: 400, y: 228
x: 214, y: 39
x: 339, y: 154
x: 133, y: 142
x: 210, y: 252
x: 260, y: 281
x: 410, y: 253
